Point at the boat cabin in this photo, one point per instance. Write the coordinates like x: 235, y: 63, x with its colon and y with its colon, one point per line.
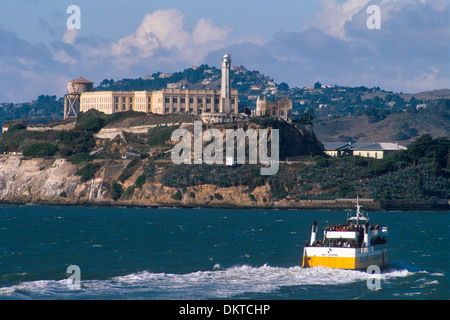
x: 357, y: 233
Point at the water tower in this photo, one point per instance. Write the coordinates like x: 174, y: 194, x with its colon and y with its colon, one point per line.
x: 72, y: 99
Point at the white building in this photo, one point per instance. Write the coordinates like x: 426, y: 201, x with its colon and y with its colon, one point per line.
x: 376, y: 150
x: 212, y: 105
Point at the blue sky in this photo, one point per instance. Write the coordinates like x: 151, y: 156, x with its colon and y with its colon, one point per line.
x: 298, y: 42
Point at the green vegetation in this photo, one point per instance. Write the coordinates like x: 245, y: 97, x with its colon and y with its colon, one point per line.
x: 80, y: 158
x: 129, y: 170
x: 40, y: 149
x: 190, y: 175
x: 159, y: 135
x: 116, y: 191
x: 87, y: 172
x: 177, y: 196
x: 419, y: 173
x: 75, y: 142
x: 218, y: 196
x: 44, y: 110
x: 129, y: 192
x: 140, y: 181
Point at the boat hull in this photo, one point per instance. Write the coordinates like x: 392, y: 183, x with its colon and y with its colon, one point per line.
x: 344, y: 258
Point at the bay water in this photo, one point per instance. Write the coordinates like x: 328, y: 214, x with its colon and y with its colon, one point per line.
x: 200, y: 254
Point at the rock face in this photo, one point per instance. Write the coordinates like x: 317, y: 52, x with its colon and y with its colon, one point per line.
x: 36, y: 180
x: 50, y: 181
x: 55, y: 182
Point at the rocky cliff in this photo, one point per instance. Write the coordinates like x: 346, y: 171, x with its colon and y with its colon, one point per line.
x: 54, y: 181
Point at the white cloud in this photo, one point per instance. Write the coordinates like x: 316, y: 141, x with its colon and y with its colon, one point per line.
x: 331, y: 20
x: 70, y: 36
x: 162, y: 35
x: 63, y: 57
x: 334, y: 16
x: 205, y: 31
x: 160, y: 29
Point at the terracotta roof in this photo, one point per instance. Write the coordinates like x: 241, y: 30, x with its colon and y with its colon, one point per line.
x: 81, y: 80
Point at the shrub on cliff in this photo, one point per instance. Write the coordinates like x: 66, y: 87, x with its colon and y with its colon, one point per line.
x: 129, y: 170
x: 116, y: 190
x: 88, y: 171
x: 40, y: 149
x: 75, y: 141
x: 140, y: 181
x: 79, y: 158
x: 159, y: 135
x: 177, y: 196
x: 93, y: 120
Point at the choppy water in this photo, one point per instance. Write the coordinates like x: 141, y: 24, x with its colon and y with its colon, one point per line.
x: 136, y: 253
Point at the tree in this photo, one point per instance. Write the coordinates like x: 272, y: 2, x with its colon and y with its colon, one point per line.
x: 40, y: 149
x: 104, y: 83
x: 116, y: 191
x: 283, y: 86
x: 317, y: 85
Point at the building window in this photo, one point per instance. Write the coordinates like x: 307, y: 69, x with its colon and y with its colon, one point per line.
x: 183, y: 100
x: 216, y: 101
x: 199, y: 100
x: 191, y: 100
x: 175, y: 100
x: 149, y: 99
x: 233, y: 101
x: 167, y: 100
x: 208, y: 100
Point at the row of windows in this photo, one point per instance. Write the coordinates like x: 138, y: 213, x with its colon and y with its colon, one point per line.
x: 191, y: 100
x: 367, y: 154
x: 182, y: 110
x: 97, y: 100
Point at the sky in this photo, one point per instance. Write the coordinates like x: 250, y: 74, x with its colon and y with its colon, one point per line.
x: 292, y: 41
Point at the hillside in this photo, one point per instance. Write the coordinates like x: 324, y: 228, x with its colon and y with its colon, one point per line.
x: 399, y: 127
x: 78, y: 167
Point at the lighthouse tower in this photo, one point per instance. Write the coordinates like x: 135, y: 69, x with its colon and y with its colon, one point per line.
x: 225, y: 93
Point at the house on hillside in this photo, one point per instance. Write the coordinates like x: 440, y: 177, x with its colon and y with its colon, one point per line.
x: 377, y: 150
x: 338, y: 149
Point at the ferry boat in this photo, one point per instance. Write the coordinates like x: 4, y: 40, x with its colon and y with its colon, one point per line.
x: 354, y: 245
